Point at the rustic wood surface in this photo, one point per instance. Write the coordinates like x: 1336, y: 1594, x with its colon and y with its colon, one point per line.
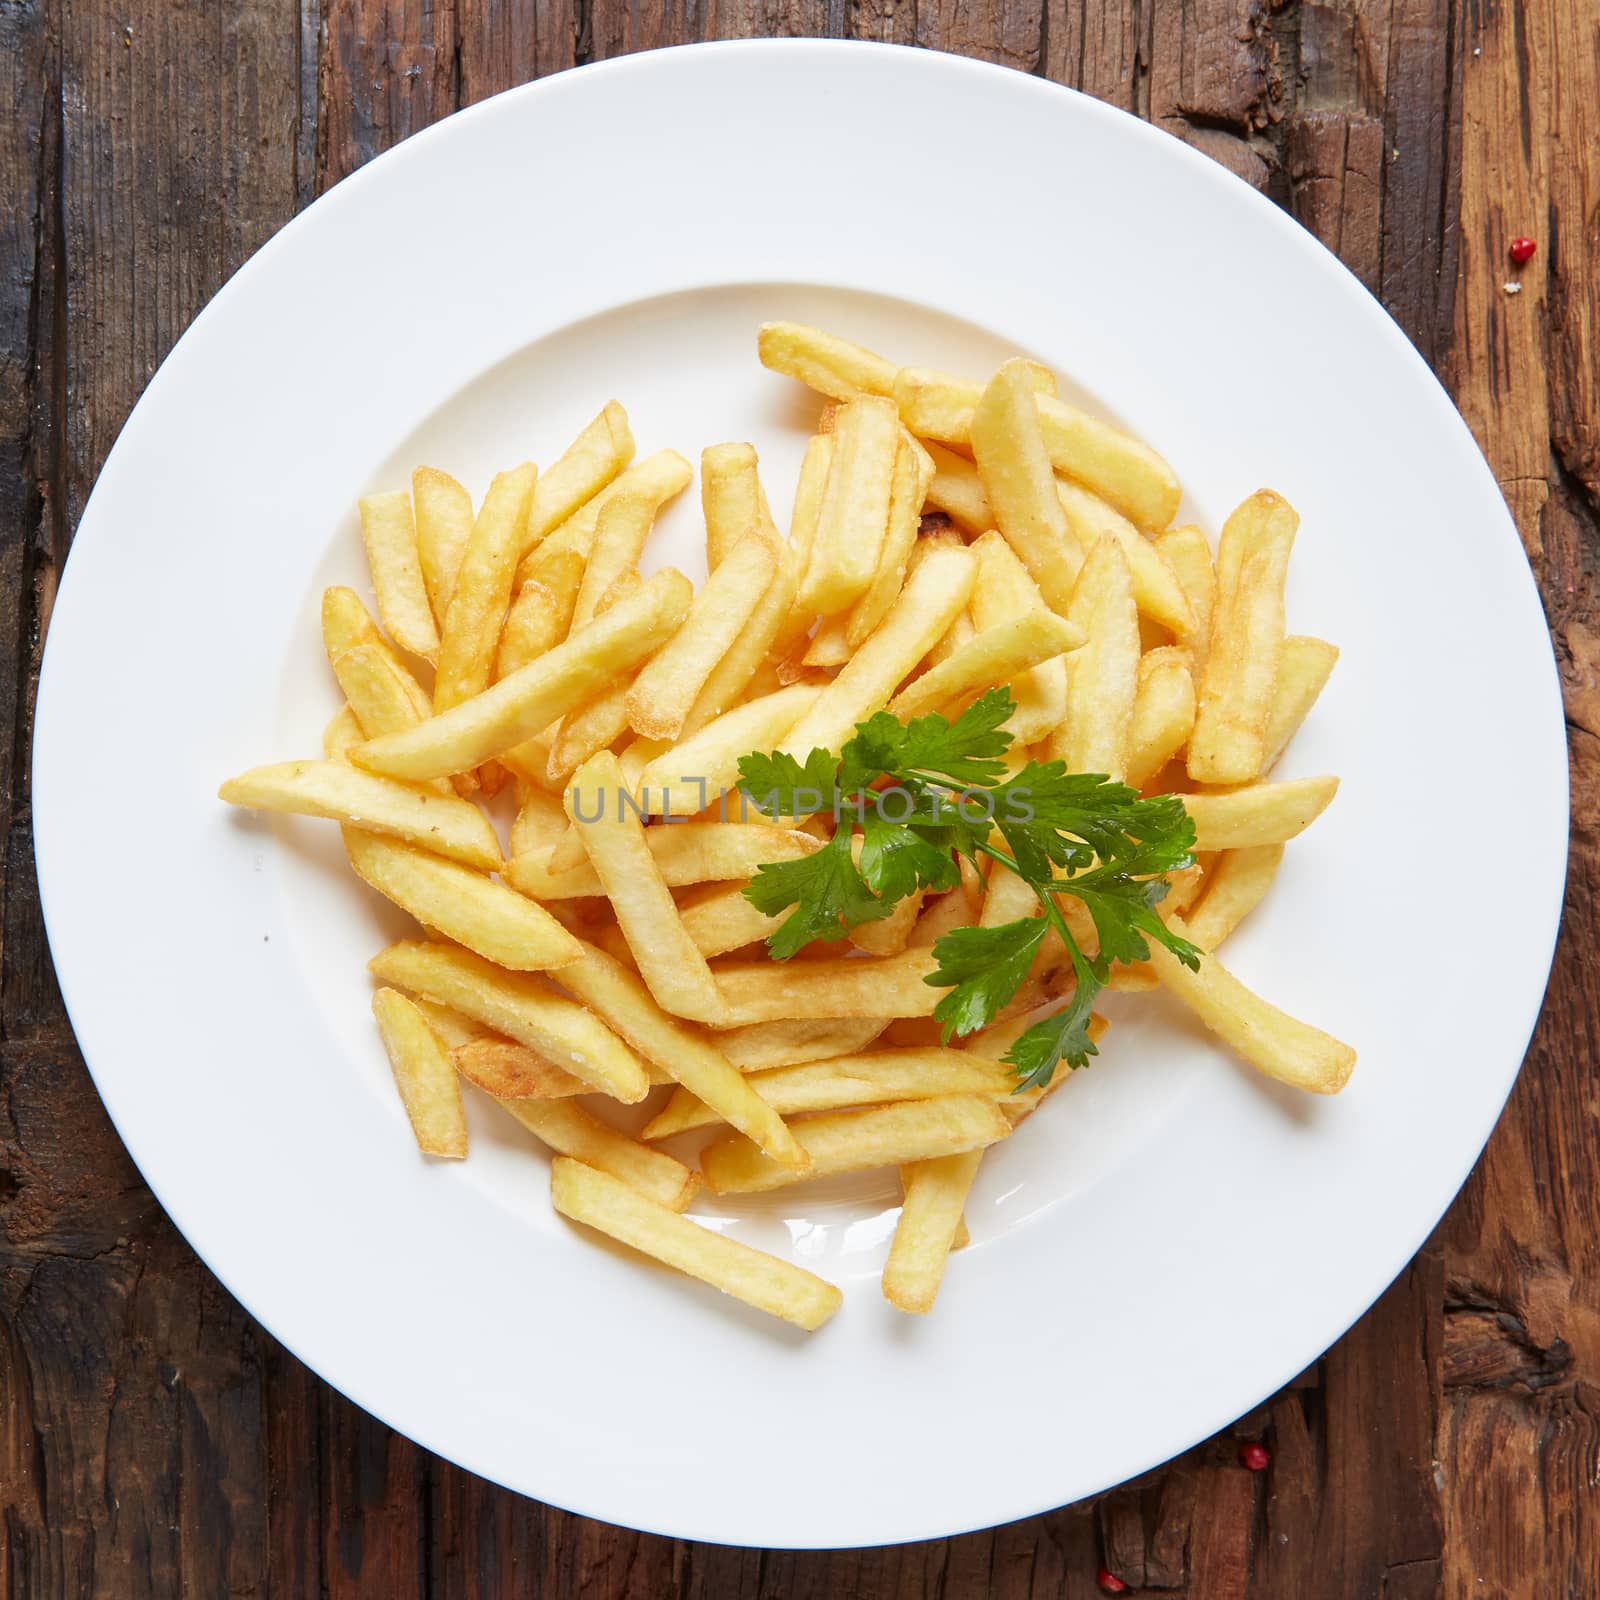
x: 154, y: 1441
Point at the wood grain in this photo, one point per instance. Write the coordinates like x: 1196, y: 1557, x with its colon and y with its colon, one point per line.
x: 154, y: 1441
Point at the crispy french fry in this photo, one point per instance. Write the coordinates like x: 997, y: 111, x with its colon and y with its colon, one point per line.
x: 334, y: 789
x: 878, y: 1077
x: 423, y: 1075
x: 912, y: 469
x: 664, y: 693
x: 1156, y: 589
x: 790, y: 1041
x: 850, y: 1141
x: 1163, y: 713
x: 466, y: 906
x: 519, y: 1006
x: 453, y: 1029
x: 496, y: 721
x: 1262, y: 813
x: 390, y: 537
x: 609, y: 989
x: 943, y: 912
x: 614, y: 838
x: 930, y: 1216
x: 732, y: 500
x: 1303, y: 668
x: 612, y: 1208
x: 933, y: 596
x: 1004, y: 594
x: 1009, y: 448
x: 342, y: 734
x: 889, y: 935
x: 540, y: 821
x: 383, y: 697
x: 588, y: 464
x: 1118, y: 467
x: 1102, y: 677
x: 1234, y: 888
x: 541, y: 615
x: 1187, y: 552
x: 956, y: 489
x: 1237, y: 684
x: 576, y: 1133
x: 853, y: 520
x: 844, y: 986
x: 809, y: 490
x: 683, y: 853
x: 583, y: 732
x: 624, y: 525
x: 444, y: 528
x: 830, y: 365
x: 347, y: 625
x: 1277, y: 1044
x: 511, y: 1071
x: 725, y: 920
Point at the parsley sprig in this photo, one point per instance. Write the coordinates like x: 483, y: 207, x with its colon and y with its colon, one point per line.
x: 925, y: 793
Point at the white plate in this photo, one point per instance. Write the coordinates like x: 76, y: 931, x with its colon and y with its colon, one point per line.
x: 1178, y: 1237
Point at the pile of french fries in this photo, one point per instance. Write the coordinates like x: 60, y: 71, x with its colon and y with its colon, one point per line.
x: 947, y: 536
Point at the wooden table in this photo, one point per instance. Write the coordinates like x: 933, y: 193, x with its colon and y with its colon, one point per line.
x: 154, y: 1441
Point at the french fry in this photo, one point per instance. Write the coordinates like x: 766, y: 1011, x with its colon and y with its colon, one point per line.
x: 683, y: 853
x: 844, y: 986
x: 934, y: 594
x: 725, y: 920
x: 830, y: 365
x: 1304, y: 667
x: 511, y: 1071
x: 664, y: 693
x: 624, y: 525
x: 497, y: 720
x: 588, y: 464
x: 347, y: 625
x: 1004, y: 594
x: 521, y: 1007
x: 930, y: 1216
x: 609, y: 989
x: 688, y: 776
x: 790, y: 1041
x: 383, y: 697
x: 1236, y: 686
x: 853, y: 520
x: 474, y: 910
x: 1156, y: 589
x: 809, y: 490
x: 1009, y: 448
x: 942, y: 913
x: 676, y: 973
x: 732, y: 500
x: 956, y: 489
x: 423, y: 1075
x: 889, y: 935
x: 878, y: 1077
x: 540, y: 821
x: 541, y: 614
x: 576, y: 1133
x: 1118, y: 467
x: 584, y: 732
x: 444, y: 528
x: 1163, y: 713
x: 1262, y: 813
x: 912, y: 469
x: 453, y: 1029
x: 1275, y: 1043
x: 612, y: 1208
x: 1234, y: 888
x: 341, y: 735
x: 1102, y: 677
x: 851, y: 1141
x: 334, y: 789
x: 1187, y: 552
x: 390, y: 537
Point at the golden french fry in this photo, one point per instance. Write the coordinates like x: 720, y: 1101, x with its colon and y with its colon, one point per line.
x: 1001, y: 653
x: 1009, y: 448
x: 830, y: 365
x: 519, y: 1006
x: 889, y: 935
x: 1163, y: 713
x: 1303, y: 668
x: 665, y: 691
x: 589, y: 463
x: 1241, y: 670
x: 624, y: 525
x: 1277, y: 1044
x: 583, y: 732
x: 1187, y: 552
x: 610, y: 990
x: 423, y: 1075
x: 935, y: 592
x: 1156, y: 589
x: 334, y: 789
x: 725, y: 920
x: 466, y: 906
x: 878, y: 1077
x: 612, y: 1208
x: 956, y: 489
x: 541, y: 615
x: 390, y: 538
x: 1102, y: 677
x: 943, y: 912
x: 453, y: 1029
x: 540, y: 821
x: 850, y: 1141
x: 383, y: 697
x: 1005, y: 592
x: 612, y: 834
x: 511, y: 1071
x: 732, y: 500
x: 809, y: 490
x: 577, y: 1134
x: 1234, y: 888
x: 494, y: 722
x: 347, y: 625
x: 1262, y: 813
x: 844, y: 986
x: 912, y: 469
x: 1118, y: 467
x: 853, y: 520
x: 341, y: 735
x: 790, y: 1041
x: 930, y: 1216
x: 444, y: 528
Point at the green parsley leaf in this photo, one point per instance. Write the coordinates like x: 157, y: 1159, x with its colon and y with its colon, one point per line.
x: 1062, y: 1036
x: 897, y: 860
x: 829, y: 895
x: 965, y: 751
x: 780, y: 786
x: 983, y: 968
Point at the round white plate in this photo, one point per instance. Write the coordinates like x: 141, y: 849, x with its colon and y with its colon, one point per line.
x: 1177, y: 1237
